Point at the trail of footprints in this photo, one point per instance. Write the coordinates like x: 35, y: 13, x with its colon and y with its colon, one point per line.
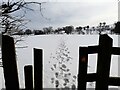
x: 63, y: 78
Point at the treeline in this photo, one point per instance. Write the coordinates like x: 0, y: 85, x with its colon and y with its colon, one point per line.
x: 86, y: 30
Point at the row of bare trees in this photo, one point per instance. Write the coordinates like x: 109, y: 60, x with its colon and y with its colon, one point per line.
x: 101, y: 28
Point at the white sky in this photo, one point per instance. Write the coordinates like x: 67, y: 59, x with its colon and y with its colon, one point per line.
x: 73, y: 12
x: 74, y: 0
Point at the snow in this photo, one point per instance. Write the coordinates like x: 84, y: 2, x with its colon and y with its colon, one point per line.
x: 50, y: 44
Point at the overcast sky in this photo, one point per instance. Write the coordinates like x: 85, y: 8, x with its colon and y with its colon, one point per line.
x: 59, y: 13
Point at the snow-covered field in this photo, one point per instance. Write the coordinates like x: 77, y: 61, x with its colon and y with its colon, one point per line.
x: 51, y: 44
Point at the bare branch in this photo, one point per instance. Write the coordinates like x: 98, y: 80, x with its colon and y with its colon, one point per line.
x: 18, y: 41
x: 10, y: 22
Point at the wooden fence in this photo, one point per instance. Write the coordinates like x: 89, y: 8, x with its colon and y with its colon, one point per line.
x: 101, y: 77
x: 104, y: 50
x: 10, y: 67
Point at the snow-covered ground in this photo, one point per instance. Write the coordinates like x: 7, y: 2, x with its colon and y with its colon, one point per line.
x: 50, y: 44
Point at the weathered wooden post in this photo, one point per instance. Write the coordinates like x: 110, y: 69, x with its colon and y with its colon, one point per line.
x: 28, y: 70
x: 104, y: 59
x: 9, y: 63
x: 38, y: 68
x: 83, y: 62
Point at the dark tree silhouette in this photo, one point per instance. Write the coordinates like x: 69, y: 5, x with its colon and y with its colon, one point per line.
x: 100, y: 28
x: 87, y: 31
x: 28, y: 31
x: 79, y: 30
x: 100, y: 24
x: 38, y: 32
x: 48, y: 30
x: 117, y: 28
x: 69, y: 29
x: 104, y: 23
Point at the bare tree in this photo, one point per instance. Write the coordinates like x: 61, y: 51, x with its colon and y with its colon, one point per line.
x: 11, y: 23
x: 79, y: 30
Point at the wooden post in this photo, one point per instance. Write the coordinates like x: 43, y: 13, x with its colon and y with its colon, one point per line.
x: 104, y: 59
x: 83, y: 60
x: 38, y: 66
x: 9, y: 63
x: 28, y: 77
